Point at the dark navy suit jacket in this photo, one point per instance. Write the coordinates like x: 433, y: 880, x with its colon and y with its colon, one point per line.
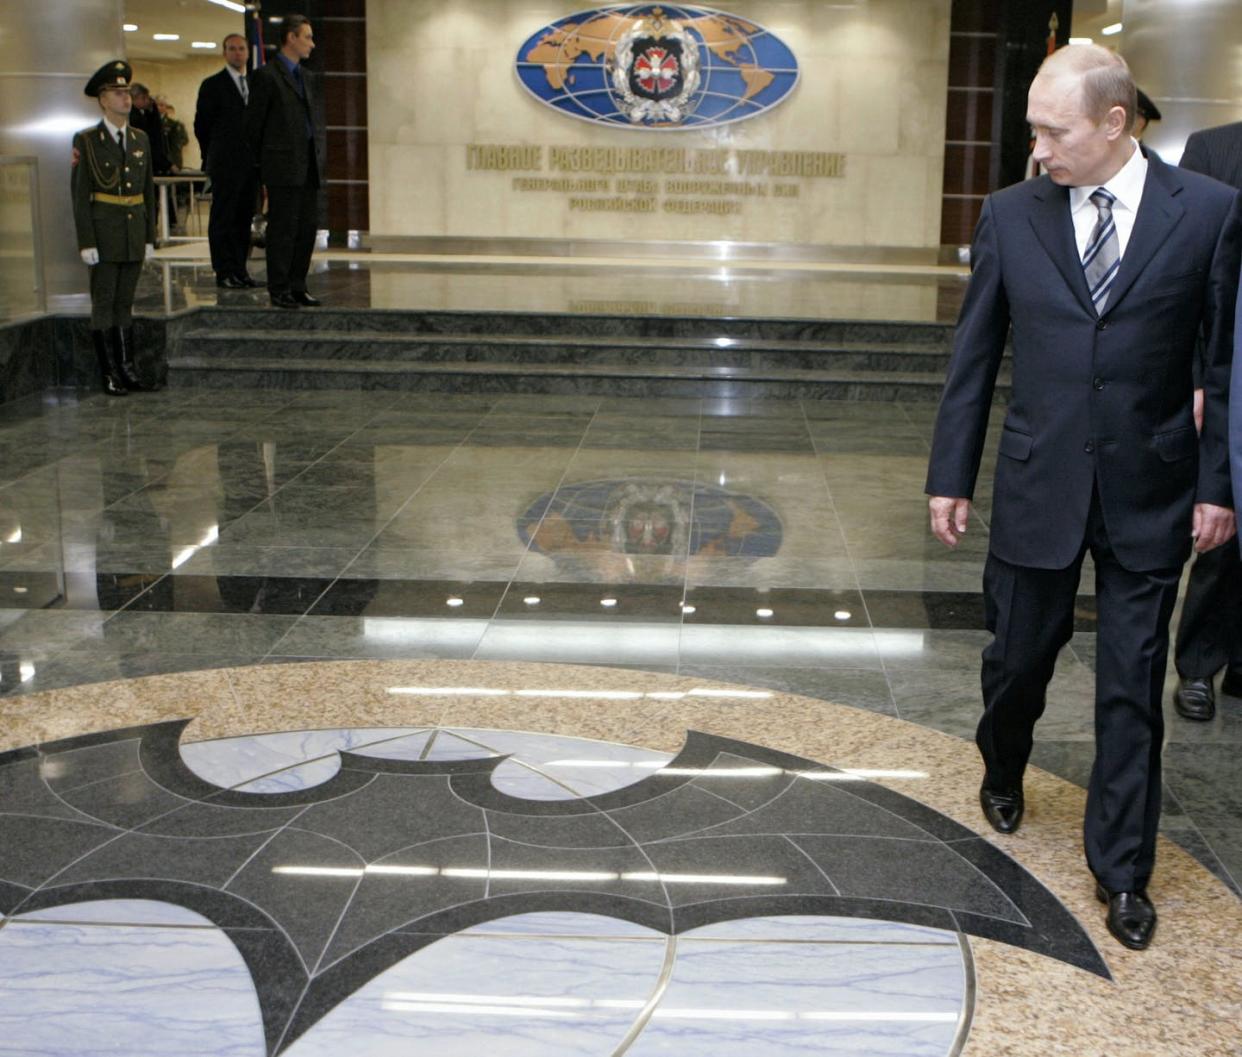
x: 1098, y: 402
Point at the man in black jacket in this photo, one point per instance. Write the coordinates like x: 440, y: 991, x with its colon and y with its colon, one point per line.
x: 280, y: 128
x: 219, y: 120
x: 1107, y: 269
x: 1209, y: 635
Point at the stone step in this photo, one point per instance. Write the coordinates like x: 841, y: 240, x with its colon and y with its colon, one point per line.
x: 560, y: 324
x: 564, y: 349
x: 617, y: 380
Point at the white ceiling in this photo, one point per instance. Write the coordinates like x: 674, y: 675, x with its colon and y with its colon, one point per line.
x: 191, y: 19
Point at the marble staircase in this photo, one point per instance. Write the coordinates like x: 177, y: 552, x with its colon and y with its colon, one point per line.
x: 590, y: 354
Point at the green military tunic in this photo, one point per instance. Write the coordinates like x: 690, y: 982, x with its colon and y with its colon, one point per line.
x: 114, y: 212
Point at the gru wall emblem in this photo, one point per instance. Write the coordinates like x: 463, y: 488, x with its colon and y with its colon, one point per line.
x: 657, y: 66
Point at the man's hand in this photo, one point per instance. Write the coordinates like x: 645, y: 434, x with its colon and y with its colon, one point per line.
x: 948, y: 518
x: 1213, y: 525
x: 77, y: 157
x: 90, y: 257
x: 1198, y: 410
x: 148, y: 252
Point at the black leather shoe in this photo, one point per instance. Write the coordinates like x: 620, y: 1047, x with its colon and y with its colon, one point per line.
x: 303, y: 298
x: 1231, y: 685
x: 1003, y: 809
x: 1195, y: 699
x: 1131, y: 917
x: 285, y: 301
x: 230, y: 282
x: 248, y: 282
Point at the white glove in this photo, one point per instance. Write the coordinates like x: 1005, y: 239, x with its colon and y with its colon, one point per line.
x: 149, y: 252
x: 90, y: 256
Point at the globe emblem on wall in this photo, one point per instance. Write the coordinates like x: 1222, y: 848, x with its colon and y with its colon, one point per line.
x: 657, y: 66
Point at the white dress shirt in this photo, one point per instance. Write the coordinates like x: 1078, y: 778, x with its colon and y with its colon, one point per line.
x: 114, y: 129
x: 1126, y: 187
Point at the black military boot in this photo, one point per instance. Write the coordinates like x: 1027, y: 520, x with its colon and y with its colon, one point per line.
x: 123, y: 353
x: 112, y: 383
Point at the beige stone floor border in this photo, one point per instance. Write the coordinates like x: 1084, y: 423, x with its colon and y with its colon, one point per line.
x: 1181, y: 998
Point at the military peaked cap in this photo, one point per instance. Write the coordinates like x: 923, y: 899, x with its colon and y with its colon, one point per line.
x: 114, y: 74
x: 1146, y: 108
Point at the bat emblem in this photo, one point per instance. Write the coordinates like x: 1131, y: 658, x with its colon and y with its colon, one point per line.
x: 322, y: 889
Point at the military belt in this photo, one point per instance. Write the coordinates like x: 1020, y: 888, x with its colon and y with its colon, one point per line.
x: 117, y: 200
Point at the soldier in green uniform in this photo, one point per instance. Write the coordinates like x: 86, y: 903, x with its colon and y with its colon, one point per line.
x: 114, y: 211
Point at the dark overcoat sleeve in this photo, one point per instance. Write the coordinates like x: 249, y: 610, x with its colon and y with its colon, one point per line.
x: 205, y: 117
x: 1218, y: 353
x: 978, y: 347
x: 80, y: 188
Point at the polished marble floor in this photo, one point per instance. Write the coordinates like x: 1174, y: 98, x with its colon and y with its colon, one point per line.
x: 776, y: 547
x: 182, y: 279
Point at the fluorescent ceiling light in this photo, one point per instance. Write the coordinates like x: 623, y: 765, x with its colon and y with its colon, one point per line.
x: 1080, y: 40
x: 1108, y: 31
x: 231, y: 5
x: 129, y: 27
x: 165, y: 36
x: 203, y: 44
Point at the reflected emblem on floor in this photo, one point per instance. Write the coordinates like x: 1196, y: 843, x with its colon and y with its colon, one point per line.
x: 323, y: 888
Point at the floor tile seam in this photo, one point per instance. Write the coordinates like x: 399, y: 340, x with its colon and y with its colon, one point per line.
x: 533, y: 533
x: 333, y: 581
x: 684, y: 937
x: 180, y: 926
x: 1193, y: 828
x: 853, y: 562
x: 788, y: 839
x: 685, y: 579
x: 663, y: 981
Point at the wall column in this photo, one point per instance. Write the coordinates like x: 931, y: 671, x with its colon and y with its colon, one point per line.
x: 51, y: 49
x: 1188, y: 58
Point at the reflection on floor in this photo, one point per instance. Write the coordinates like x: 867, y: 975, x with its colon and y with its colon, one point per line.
x: 776, y: 546
x: 182, y: 278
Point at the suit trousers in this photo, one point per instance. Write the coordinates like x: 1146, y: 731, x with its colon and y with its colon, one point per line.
x: 1030, y: 613
x: 292, y: 220
x: 233, y: 198
x: 113, y: 284
x: 1209, y: 634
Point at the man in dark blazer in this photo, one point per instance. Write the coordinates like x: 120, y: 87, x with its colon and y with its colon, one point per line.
x: 280, y: 126
x: 1209, y: 634
x: 219, y: 129
x: 1106, y: 268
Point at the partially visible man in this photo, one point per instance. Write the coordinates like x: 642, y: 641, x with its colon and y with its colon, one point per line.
x: 1209, y: 634
x: 1145, y: 114
x: 175, y: 136
x: 219, y: 127
x: 114, y: 214
x: 280, y: 127
x: 1107, y: 268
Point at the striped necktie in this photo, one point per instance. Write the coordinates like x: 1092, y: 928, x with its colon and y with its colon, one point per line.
x: 1103, y: 255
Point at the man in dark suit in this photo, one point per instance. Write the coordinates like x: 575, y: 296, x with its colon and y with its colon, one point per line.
x: 1209, y: 634
x: 219, y: 129
x: 280, y: 127
x: 1106, y: 268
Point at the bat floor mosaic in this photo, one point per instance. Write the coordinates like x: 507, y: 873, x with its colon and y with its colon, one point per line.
x: 234, y: 882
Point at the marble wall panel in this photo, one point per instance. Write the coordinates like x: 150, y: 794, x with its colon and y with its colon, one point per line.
x: 873, y: 87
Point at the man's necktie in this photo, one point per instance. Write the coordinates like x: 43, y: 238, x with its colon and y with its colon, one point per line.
x: 245, y: 90
x: 1103, y: 256
x: 120, y: 139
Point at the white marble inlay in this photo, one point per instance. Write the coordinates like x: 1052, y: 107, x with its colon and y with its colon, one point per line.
x: 865, y: 999
x: 262, y: 763
x: 90, y: 990
x: 578, y: 766
x: 518, y: 997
